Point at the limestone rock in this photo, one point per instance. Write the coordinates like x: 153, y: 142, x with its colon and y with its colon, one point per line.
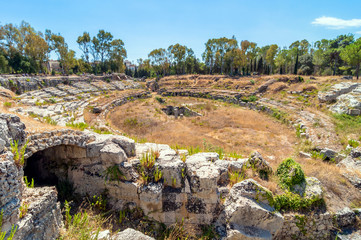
x: 203, y: 173
x: 112, y: 154
x: 248, y: 205
x: 130, y: 233
x: 152, y: 85
x: 263, y: 167
x: 236, y: 232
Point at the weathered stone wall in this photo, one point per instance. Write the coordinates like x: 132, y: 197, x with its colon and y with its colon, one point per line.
x: 22, y: 84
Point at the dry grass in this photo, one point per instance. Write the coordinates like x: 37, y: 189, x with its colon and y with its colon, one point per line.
x: 230, y: 127
x: 339, y: 192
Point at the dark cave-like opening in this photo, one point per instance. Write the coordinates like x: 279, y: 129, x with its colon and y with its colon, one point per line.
x: 37, y: 168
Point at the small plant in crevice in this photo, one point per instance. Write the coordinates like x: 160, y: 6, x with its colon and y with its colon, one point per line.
x: 235, y: 177
x: 114, y: 174
x: 27, y: 183
x: 148, y: 159
x: 12, y: 231
x: 98, y: 202
x: 157, y: 175
x: 176, y: 232
x: 19, y: 154
x: 23, y: 210
x: 209, y: 232
x: 174, y: 182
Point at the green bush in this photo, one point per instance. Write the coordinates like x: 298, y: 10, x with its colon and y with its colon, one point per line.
x: 290, y: 174
x: 289, y: 201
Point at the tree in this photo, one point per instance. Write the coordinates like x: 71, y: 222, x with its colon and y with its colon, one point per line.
x: 352, y: 55
x: 103, y: 41
x: 159, y: 60
x: 84, y: 42
x: 117, y: 54
x: 270, y: 55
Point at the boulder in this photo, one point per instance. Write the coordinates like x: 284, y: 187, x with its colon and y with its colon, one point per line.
x: 130, y: 233
x: 111, y: 154
x: 328, y: 153
x: 249, y: 205
x: 257, y: 161
x: 152, y: 85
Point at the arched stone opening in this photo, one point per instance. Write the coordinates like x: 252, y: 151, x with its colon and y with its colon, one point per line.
x: 53, y: 167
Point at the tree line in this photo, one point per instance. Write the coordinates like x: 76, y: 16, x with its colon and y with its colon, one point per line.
x: 25, y: 50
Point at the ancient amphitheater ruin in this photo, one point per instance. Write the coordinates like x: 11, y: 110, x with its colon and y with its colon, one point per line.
x: 58, y: 126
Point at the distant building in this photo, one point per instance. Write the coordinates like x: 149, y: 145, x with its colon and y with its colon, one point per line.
x: 129, y: 65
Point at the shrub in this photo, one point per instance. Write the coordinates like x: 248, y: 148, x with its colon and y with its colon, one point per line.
x: 293, y: 202
x: 290, y: 174
x: 252, y: 81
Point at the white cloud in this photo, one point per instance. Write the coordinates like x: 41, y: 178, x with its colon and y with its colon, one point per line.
x: 336, y: 23
x: 359, y: 32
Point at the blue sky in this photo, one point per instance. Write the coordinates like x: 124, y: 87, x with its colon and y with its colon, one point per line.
x: 144, y: 25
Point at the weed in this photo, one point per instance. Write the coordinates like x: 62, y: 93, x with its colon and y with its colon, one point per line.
x: 353, y: 143
x: 100, y: 131
x: 157, y: 175
x: 252, y: 81
x: 98, y: 202
x: 81, y: 125
x: 114, y: 174
x: 176, y: 232
x: 183, y: 157
x: 148, y: 159
x: 27, y: 183
x: 23, y: 210
x: 18, y: 153
x: 174, y: 182
x: 122, y: 215
x: 79, y: 225
x: 7, y: 104
x: 12, y: 231
x: 209, y: 233
x: 132, y: 122
x: 317, y: 155
x: 235, y: 177
x: 50, y: 121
